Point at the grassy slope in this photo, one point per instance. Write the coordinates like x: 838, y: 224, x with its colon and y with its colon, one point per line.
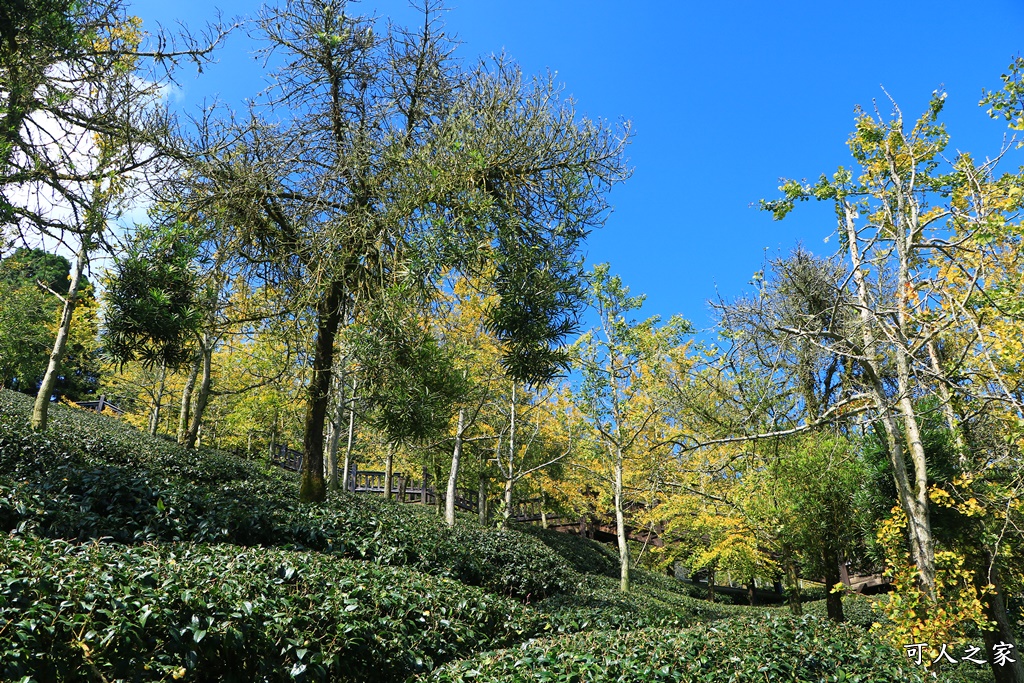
x: 209, y: 570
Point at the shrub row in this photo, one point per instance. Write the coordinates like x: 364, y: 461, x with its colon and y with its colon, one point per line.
x: 771, y: 647
x: 599, y: 605
x: 91, y: 477
x: 147, y: 612
x: 582, y: 554
x: 856, y: 610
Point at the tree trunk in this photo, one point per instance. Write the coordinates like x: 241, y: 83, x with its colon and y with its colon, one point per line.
x: 186, y: 400
x: 438, y: 495
x: 481, y: 496
x: 509, y: 481
x: 351, y: 434
x: 332, y: 443
x: 312, y: 488
x: 40, y: 410
x: 921, y: 535
x: 506, y: 514
x: 752, y: 592
x: 947, y: 403
x: 154, y: 417
x: 844, y: 573
x: 711, y: 585
x: 792, y: 581
x: 833, y: 601
x: 913, y: 497
x: 389, y: 470
x: 620, y: 527
x: 423, y: 491
x: 543, y: 514
x: 453, y: 475
x: 995, y: 611
x: 203, y: 397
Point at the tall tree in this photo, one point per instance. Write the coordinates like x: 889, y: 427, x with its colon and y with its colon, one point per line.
x: 891, y: 221
x: 620, y: 360
x: 534, y: 436
x: 399, y: 166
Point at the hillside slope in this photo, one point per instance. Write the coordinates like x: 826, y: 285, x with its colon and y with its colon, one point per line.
x: 125, y: 557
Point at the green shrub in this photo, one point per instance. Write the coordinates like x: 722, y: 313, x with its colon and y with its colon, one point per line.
x: 856, y: 610
x: 223, y: 613
x: 92, y: 477
x: 598, y: 604
x: 771, y: 647
x: 582, y: 554
x: 604, y: 607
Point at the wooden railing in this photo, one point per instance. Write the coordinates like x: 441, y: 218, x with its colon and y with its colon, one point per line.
x: 529, y: 511
x: 405, y: 489
x: 285, y: 457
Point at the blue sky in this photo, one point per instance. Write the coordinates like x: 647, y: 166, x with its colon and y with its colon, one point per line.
x: 724, y: 98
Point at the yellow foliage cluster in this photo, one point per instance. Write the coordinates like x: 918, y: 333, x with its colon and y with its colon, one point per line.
x: 913, y: 615
x: 122, y: 39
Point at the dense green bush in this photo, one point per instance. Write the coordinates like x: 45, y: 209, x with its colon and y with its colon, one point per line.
x: 655, y: 600
x: 92, y: 477
x: 771, y: 647
x: 602, y: 607
x: 223, y: 613
x: 583, y: 554
x: 856, y: 610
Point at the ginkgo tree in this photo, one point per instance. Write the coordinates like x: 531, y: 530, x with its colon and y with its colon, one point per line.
x: 620, y: 361
x: 922, y: 234
x: 891, y: 223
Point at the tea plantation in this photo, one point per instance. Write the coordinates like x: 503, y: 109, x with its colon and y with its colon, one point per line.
x: 124, y: 557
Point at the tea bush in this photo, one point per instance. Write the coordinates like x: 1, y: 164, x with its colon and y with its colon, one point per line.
x: 770, y: 647
x: 856, y: 610
x: 92, y: 477
x: 216, y: 612
x: 584, y: 555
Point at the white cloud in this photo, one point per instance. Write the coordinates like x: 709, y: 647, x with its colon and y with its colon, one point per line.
x: 72, y: 151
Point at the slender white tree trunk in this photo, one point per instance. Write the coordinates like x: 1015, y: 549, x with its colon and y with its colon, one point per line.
x: 947, y: 402
x: 449, y: 502
x: 347, y: 470
x: 509, y: 473
x: 389, y: 466
x: 335, y: 428
x: 158, y: 398
x: 481, y: 496
x: 40, y: 410
x: 507, y: 498
x: 620, y: 526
